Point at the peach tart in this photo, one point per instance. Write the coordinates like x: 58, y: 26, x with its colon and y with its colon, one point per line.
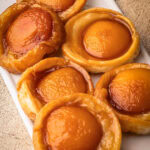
x: 51, y: 79
x: 100, y: 39
x: 64, y: 8
x: 77, y: 122
x: 27, y: 34
x: 127, y: 90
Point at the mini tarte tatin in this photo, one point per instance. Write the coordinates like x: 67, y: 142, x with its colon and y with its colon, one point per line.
x: 50, y: 79
x: 64, y: 8
x: 127, y: 90
x: 76, y: 122
x: 100, y: 39
x: 28, y: 33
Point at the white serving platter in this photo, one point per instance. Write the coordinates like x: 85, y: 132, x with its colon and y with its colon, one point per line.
x: 130, y: 141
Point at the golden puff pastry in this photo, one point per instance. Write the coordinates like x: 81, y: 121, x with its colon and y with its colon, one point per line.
x: 48, y: 80
x: 64, y: 8
x: 100, y: 39
x: 126, y: 90
x: 27, y: 34
x: 76, y: 122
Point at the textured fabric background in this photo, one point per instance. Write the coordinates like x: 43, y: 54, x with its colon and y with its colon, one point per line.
x: 13, y: 135
x: 139, y: 12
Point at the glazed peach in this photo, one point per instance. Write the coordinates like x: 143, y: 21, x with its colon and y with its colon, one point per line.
x: 76, y: 122
x: 126, y: 90
x: 67, y: 123
x: 31, y: 27
x: 62, y: 82
x: 29, y: 32
x: 48, y: 80
x: 100, y: 39
x: 129, y: 90
x: 107, y: 39
x: 64, y: 8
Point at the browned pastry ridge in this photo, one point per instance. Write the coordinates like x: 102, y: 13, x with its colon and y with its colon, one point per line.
x: 100, y: 39
x: 76, y: 122
x: 28, y: 33
x: 126, y: 90
x: 51, y: 79
x: 64, y: 8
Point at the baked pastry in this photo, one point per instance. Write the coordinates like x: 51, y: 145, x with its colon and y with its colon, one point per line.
x: 28, y: 33
x: 77, y: 122
x: 50, y: 79
x: 64, y: 8
x: 127, y: 90
x: 100, y: 39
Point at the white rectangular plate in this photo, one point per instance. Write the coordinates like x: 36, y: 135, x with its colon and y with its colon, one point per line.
x: 130, y: 142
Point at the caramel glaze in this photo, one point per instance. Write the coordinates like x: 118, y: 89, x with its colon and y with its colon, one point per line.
x: 114, y: 19
x: 45, y: 133
x: 40, y: 75
x: 27, y: 30
x: 119, y: 108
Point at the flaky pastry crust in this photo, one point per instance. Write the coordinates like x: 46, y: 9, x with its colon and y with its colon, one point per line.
x: 73, y: 47
x: 18, y: 64
x: 139, y: 124
x: 68, y: 13
x: 26, y: 86
x: 111, y: 139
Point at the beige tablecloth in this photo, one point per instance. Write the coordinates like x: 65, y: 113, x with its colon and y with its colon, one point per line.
x: 13, y: 135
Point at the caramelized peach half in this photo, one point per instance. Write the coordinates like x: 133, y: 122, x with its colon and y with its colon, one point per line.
x: 76, y: 122
x: 73, y: 128
x: 129, y: 90
x: 51, y: 79
x: 29, y: 29
x: 64, y: 8
x: 126, y: 90
x: 107, y: 39
x: 100, y: 39
x: 29, y: 32
x: 62, y: 82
